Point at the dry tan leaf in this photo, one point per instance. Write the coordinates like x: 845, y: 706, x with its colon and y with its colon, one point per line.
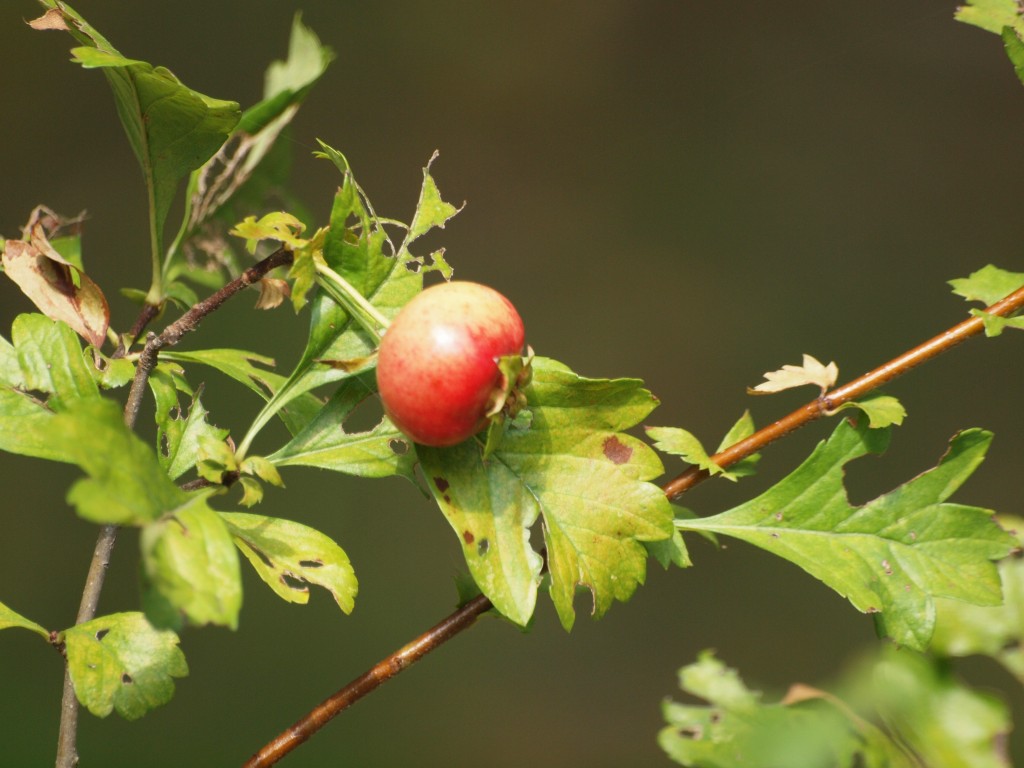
x: 273, y: 291
x: 58, y: 288
x: 789, y: 376
x: 52, y: 19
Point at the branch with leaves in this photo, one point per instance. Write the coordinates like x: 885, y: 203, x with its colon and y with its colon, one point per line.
x: 567, y: 469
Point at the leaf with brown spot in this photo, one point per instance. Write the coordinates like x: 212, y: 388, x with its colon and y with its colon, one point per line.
x: 575, y: 468
x: 61, y: 290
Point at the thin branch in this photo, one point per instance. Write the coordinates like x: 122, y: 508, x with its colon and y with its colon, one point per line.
x: 147, y: 314
x: 67, y: 753
x: 369, y: 681
x: 189, y: 321
x: 466, y: 616
x: 859, y: 387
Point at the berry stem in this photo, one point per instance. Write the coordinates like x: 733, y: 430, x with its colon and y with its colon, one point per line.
x: 343, y: 292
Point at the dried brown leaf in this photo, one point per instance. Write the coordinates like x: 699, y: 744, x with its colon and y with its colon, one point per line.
x: 52, y: 19
x: 58, y: 288
x: 273, y: 291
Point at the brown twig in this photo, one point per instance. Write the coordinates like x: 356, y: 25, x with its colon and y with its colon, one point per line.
x: 466, y: 616
x: 369, y: 681
x: 189, y: 321
x: 67, y: 754
x: 147, y: 314
x: 859, y: 387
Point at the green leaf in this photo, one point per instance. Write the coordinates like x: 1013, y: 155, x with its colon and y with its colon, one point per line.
x: 126, y: 484
x: 988, y: 285
x: 241, y: 176
x: 737, y: 730
x: 338, y: 347
x: 244, y: 367
x: 991, y: 15
x: 180, y: 438
x: 679, y: 442
x: 741, y: 430
x: 307, y: 61
x: 897, y: 709
x: 289, y: 556
x: 432, y: 212
x: 892, y: 556
x: 171, y: 128
x: 51, y: 360
x: 931, y: 714
x: 10, y: 368
x: 191, y: 565
x: 574, y: 466
x: 671, y: 551
x: 9, y: 618
x: 121, y: 662
x: 996, y: 324
x: 882, y: 410
x: 279, y: 226
x: 962, y: 629
x: 1014, y: 47
x: 26, y: 427
x: 379, y: 452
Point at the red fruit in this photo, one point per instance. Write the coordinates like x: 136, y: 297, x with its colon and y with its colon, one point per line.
x: 437, y: 366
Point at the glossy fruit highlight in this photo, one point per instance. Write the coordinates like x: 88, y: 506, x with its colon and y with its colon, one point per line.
x: 437, y: 369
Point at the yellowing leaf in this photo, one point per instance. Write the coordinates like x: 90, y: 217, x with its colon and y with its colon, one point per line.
x: 121, y: 662
x: 288, y: 556
x: 809, y: 372
x: 577, y: 469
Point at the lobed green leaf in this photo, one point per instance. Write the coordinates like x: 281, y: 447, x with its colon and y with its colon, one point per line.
x: 988, y: 284
x: 121, y: 662
x: 892, y: 556
x: 190, y: 564
x: 126, y: 484
x: 379, y: 452
x: 575, y: 467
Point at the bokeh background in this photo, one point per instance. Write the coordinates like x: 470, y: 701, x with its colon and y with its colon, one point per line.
x: 690, y: 193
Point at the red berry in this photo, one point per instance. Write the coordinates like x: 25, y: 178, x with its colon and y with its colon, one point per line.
x: 437, y: 367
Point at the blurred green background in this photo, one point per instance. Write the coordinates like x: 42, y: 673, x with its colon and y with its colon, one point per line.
x: 690, y: 193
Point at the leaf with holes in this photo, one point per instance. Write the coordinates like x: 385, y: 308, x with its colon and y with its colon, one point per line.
x: 289, y: 556
x: 191, y: 568
x: 181, y: 436
x: 121, y: 662
x: 575, y: 467
x: 892, y: 556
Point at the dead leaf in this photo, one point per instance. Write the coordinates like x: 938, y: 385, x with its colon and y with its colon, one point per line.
x: 789, y: 376
x: 273, y: 291
x: 52, y: 19
x: 57, y: 287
